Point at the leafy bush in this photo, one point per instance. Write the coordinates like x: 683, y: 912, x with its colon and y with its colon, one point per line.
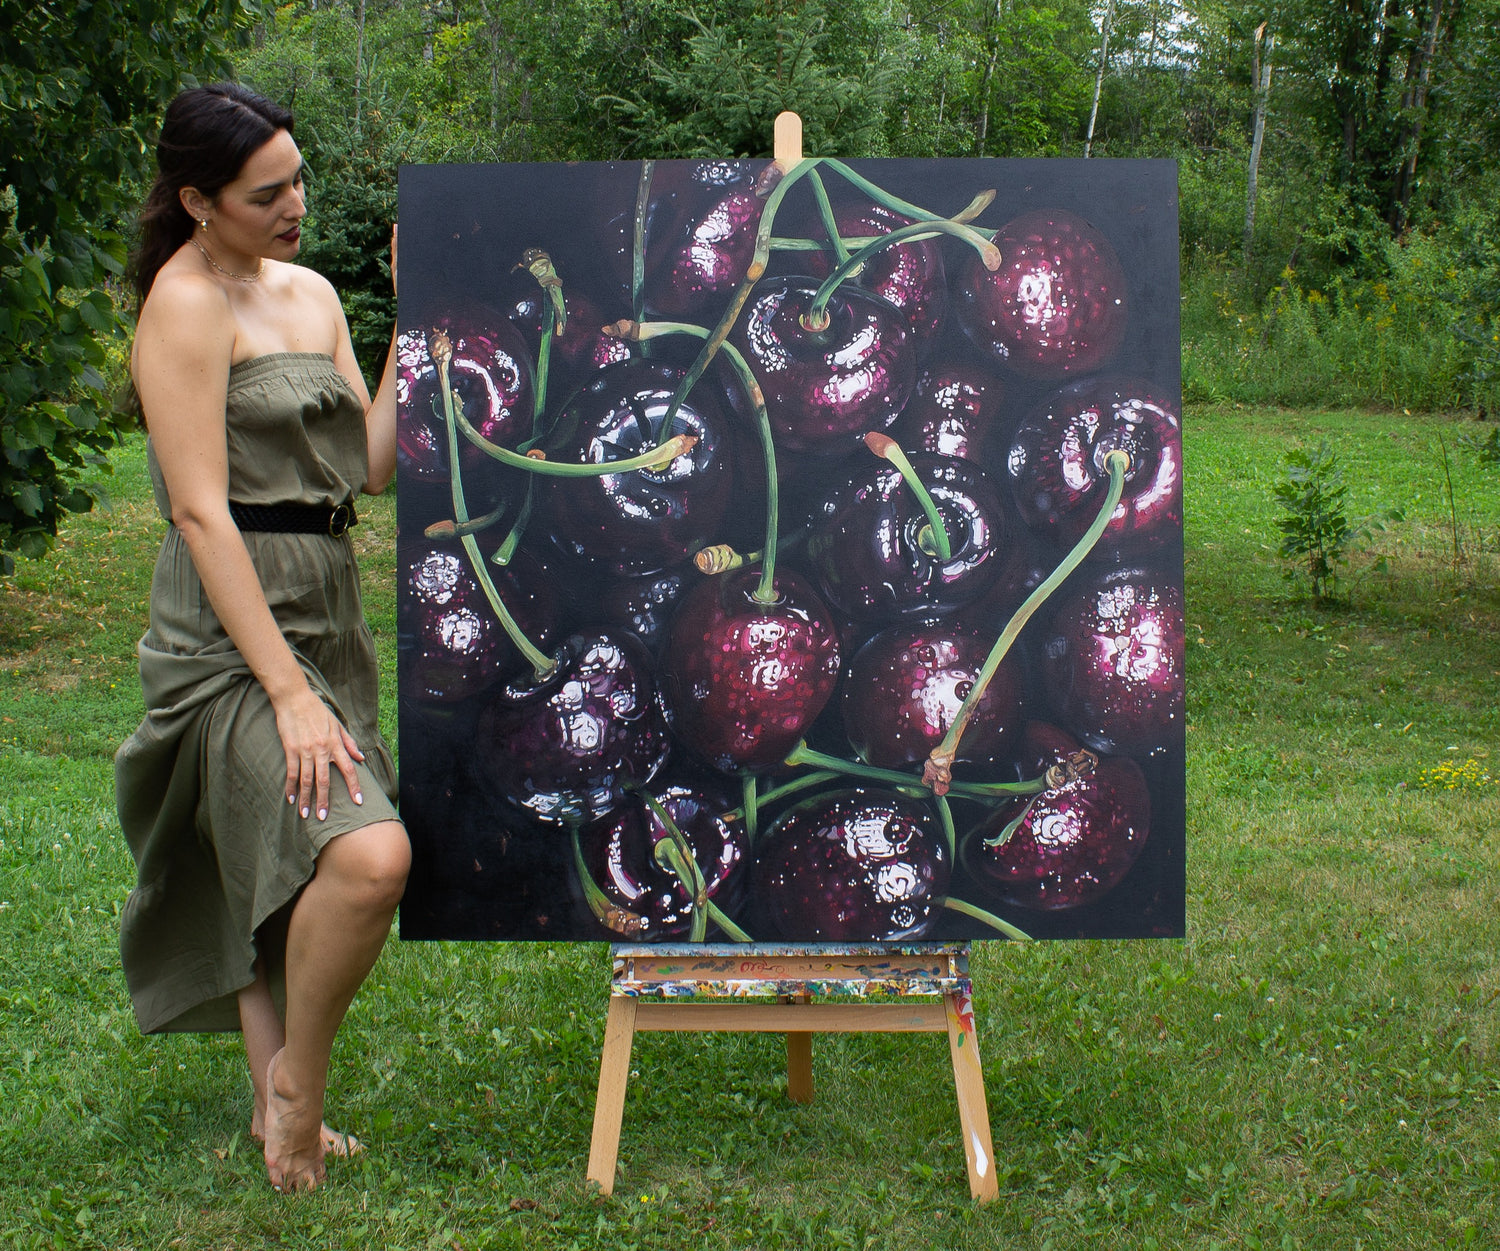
x: 1316, y: 532
x: 80, y: 87
x: 56, y: 418
x: 1313, y: 524
x: 1393, y: 342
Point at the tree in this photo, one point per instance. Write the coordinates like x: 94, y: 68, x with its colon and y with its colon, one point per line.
x: 81, y: 88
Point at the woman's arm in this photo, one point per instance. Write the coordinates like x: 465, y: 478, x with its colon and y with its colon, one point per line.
x: 380, y: 413
x: 184, y: 344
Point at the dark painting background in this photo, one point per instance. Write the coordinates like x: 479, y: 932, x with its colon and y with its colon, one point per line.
x: 482, y: 868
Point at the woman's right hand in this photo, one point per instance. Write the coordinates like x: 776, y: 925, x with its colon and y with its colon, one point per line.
x: 315, y: 743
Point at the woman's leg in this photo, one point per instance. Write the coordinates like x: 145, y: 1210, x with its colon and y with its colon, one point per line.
x: 265, y: 1034
x: 338, y: 926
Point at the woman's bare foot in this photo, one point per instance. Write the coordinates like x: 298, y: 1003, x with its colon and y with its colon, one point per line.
x: 294, y: 1151
x: 334, y: 1143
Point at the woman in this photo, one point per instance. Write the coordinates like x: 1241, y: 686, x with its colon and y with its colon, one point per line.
x: 257, y: 795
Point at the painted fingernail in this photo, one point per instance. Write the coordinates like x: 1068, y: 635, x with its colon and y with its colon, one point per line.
x: 322, y: 814
x: 304, y: 812
x: 358, y: 798
x: 292, y: 798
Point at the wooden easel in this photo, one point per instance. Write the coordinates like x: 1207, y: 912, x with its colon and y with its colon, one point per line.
x: 766, y: 989
x: 880, y: 986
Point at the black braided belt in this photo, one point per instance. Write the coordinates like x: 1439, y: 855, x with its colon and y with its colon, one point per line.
x: 294, y: 518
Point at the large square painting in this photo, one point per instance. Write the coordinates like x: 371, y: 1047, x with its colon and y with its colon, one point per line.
x: 791, y: 556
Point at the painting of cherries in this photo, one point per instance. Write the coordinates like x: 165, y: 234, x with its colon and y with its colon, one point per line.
x: 791, y: 555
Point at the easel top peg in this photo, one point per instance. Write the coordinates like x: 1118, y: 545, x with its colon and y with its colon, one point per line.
x: 787, y: 144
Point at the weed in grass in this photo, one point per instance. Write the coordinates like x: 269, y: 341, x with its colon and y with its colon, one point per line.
x: 1467, y: 775
x: 1314, y: 523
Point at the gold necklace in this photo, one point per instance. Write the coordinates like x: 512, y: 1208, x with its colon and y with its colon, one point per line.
x: 229, y: 273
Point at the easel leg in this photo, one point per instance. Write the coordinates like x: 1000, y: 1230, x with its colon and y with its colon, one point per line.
x: 973, y: 1112
x: 799, y: 1079
x: 609, y: 1104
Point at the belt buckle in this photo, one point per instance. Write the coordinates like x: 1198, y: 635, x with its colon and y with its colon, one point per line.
x: 338, y: 520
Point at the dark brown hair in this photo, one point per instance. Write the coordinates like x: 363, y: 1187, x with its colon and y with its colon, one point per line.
x: 207, y: 135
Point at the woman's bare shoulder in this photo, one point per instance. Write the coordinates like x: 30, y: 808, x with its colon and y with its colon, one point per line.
x: 184, y: 305
x: 307, y: 282
x: 186, y: 326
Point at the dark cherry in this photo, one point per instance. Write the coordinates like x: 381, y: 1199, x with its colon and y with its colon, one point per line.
x: 566, y: 748
x: 951, y: 411
x: 1112, y: 662
x: 451, y: 643
x: 742, y: 680
x: 583, y: 348
x: 1056, y: 471
x: 488, y: 373
x: 1056, y: 307
x: 869, y: 553
x: 903, y: 688
x: 853, y: 865
x: 825, y: 388
x: 645, y: 520
x: 908, y: 275
x: 648, y: 901
x: 1074, y: 844
x: 645, y: 605
x: 682, y: 194
x: 709, y: 262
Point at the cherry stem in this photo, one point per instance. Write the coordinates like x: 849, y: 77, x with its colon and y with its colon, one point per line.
x: 816, y: 317
x: 989, y: 918
x: 675, y: 854
x: 782, y: 243
x: 721, y: 558
x: 850, y: 243
x: 897, y: 205
x: 825, y: 210
x: 945, y: 815
x: 543, y: 368
x: 933, y: 537
x: 765, y: 591
x: 750, y: 800
x: 776, y: 793
x: 539, y: 265
x: 609, y: 914
x: 535, y: 462
x: 938, y: 770
x: 450, y: 529
x: 506, y: 552
x: 1000, y: 790
x: 803, y: 756
x: 1009, y: 830
x: 441, y: 348
x: 732, y: 930
x: 762, y: 254
x: 638, y: 243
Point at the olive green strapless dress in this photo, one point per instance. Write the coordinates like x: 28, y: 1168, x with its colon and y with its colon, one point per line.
x: 200, y: 785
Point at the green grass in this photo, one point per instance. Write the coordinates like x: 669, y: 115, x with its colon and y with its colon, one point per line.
x: 1317, y: 1066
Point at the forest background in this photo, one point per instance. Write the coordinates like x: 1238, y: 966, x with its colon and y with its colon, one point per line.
x: 1340, y: 197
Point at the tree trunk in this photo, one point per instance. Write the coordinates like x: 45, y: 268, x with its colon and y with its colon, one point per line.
x: 1414, y: 105
x: 1260, y: 74
x: 1109, y: 13
x: 983, y: 129
x: 359, y: 67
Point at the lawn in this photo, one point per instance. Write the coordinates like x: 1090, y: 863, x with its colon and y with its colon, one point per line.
x: 1316, y: 1066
